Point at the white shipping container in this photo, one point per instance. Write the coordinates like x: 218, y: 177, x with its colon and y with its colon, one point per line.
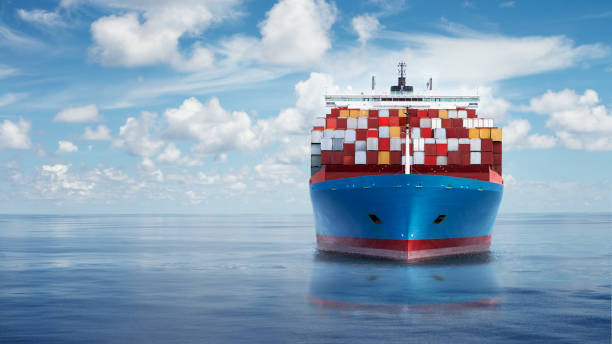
x: 383, y: 113
x: 440, y: 133
x: 338, y: 134
x: 315, y: 148
x: 490, y: 123
x: 349, y: 135
x: 328, y: 133
x: 404, y: 141
x: 468, y: 123
x: 441, y: 141
x: 360, y: 146
x: 422, y: 145
x: 475, y: 145
x: 360, y: 157
x: 415, y: 133
x: 429, y: 140
x: 453, y: 145
x: 475, y: 158
x: 396, y: 144
x: 419, y: 158
x: 425, y: 123
x: 479, y: 123
x: 461, y: 113
x: 404, y: 161
x: 362, y: 123
x: 326, y: 144
x: 441, y: 160
x: 383, y: 132
x: 338, y: 144
x: 452, y: 113
x: 351, y: 123
x: 464, y: 141
x: 319, y: 122
x: 372, y: 144
x: 436, y: 123
x: 316, y: 136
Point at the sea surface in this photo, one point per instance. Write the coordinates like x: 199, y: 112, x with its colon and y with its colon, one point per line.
x: 259, y: 279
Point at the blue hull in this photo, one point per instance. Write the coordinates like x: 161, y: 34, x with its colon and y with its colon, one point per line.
x: 406, y: 207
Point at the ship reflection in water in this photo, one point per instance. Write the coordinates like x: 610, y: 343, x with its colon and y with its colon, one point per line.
x: 348, y: 283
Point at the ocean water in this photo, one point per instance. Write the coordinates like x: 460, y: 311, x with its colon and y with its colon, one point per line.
x: 259, y: 279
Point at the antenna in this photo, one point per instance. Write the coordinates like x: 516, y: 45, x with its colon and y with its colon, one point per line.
x: 373, y: 82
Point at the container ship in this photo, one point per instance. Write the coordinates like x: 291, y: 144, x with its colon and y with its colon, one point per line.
x: 405, y: 175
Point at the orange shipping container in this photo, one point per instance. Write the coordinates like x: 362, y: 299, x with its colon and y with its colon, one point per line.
x: 496, y: 134
x: 383, y: 158
x: 344, y: 113
x: 485, y: 133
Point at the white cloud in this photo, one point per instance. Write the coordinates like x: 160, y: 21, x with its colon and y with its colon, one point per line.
x: 468, y: 4
x: 507, y: 4
x: 154, y: 38
x: 516, y: 136
x: 491, y: 106
x: 80, y: 114
x: 16, y: 40
x: 135, y: 136
x: 66, y: 147
x: 9, y: 98
x: 40, y: 17
x: 296, y: 32
x: 579, y: 121
x: 60, y: 182
x: 101, y: 133
x: 15, y: 135
x: 366, y: 26
x: 173, y: 156
x: 6, y: 71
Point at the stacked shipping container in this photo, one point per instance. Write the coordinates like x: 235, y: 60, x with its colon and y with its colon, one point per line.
x: 434, y: 141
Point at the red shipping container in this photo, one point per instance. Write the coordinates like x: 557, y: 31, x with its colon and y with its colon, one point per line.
x: 330, y: 123
x: 432, y: 113
x: 349, y: 149
x: 454, y: 158
x: 426, y: 133
x: 497, y: 158
x: 412, y: 113
x: 411, y: 149
x: 422, y: 113
x: 326, y: 157
x: 415, y: 122
x: 361, y: 134
x: 497, y: 147
x: 349, y: 160
x: 464, y: 148
x: 430, y: 149
x: 384, y: 144
x: 451, y: 133
x: 393, y: 112
x: 462, y: 133
x: 402, y: 133
x: 471, y: 113
x: 404, y: 150
x: 318, y: 128
x: 372, y: 133
x: 372, y: 157
x: 373, y: 113
x: 341, y: 123
x: 447, y: 123
x: 395, y: 158
x: 337, y: 157
x: 486, y: 145
x: 430, y: 160
x: 335, y: 112
x: 486, y: 158
x: 394, y: 121
x: 457, y: 122
x: 383, y: 121
x: 372, y: 123
x: 403, y: 121
x: 465, y: 158
x: 441, y: 148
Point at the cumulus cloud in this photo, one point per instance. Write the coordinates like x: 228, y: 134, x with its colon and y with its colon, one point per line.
x: 66, y: 147
x: 15, y: 135
x: 516, y: 136
x: 135, y: 136
x: 59, y: 181
x: 40, y: 17
x: 579, y: 121
x: 79, y: 114
x: 101, y: 133
x: 297, y: 31
x: 173, y: 156
x: 366, y: 26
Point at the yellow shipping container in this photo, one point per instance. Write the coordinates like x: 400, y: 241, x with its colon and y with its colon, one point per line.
x: 473, y: 133
x: 364, y: 113
x: 383, y: 158
x: 344, y: 113
x: 394, y: 131
x: 443, y: 113
x: 485, y: 133
x: 402, y: 112
x: 496, y: 134
x: 354, y: 113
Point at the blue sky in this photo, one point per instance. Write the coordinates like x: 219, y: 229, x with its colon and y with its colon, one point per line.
x: 204, y: 106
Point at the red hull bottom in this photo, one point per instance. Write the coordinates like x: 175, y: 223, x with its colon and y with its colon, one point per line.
x: 405, y: 250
